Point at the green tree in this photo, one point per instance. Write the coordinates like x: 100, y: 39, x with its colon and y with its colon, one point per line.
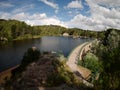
x: 31, y: 55
x: 13, y: 31
x: 91, y: 62
x: 109, y: 53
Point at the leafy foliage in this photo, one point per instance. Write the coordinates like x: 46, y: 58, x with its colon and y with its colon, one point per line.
x: 91, y: 62
x: 60, y: 75
x: 15, y: 30
x: 30, y: 56
x: 108, y: 52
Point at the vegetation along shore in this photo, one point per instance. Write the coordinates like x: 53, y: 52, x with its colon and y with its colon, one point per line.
x: 16, y: 30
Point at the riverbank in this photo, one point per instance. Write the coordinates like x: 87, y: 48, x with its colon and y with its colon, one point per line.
x: 27, y: 37
x: 21, y: 38
x: 6, y: 74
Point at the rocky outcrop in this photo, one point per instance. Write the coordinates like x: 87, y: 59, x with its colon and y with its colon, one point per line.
x: 35, y: 74
x: 3, y: 39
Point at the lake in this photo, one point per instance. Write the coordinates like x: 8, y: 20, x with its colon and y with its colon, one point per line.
x: 12, y: 53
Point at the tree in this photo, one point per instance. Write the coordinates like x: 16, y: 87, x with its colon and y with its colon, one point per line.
x: 110, y: 57
x: 31, y: 55
x: 113, y: 39
x: 13, y: 31
x: 91, y: 62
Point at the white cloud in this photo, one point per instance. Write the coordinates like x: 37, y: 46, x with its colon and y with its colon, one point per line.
x: 38, y: 16
x: 97, y: 9
x: 75, y: 4
x: 83, y: 22
x: 101, y: 17
x: 4, y: 15
x: 72, y: 13
x: 20, y: 16
x: 47, y: 21
x: 108, y: 3
x: 6, y: 4
x: 100, y: 11
x: 51, y: 4
x: 34, y: 19
x: 43, y: 19
x: 27, y: 16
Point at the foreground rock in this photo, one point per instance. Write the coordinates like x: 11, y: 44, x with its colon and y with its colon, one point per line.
x: 35, y: 74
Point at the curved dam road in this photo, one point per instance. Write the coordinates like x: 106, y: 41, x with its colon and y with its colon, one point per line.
x: 79, y: 71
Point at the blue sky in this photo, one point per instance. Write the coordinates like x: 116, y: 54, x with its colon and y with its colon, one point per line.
x: 85, y: 14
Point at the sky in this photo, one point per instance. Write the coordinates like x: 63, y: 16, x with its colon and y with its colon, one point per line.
x: 85, y: 14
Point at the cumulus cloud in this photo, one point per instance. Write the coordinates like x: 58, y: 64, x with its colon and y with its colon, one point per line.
x: 47, y: 21
x: 101, y: 18
x: 44, y: 20
x: 108, y: 3
x: 110, y: 17
x: 84, y: 22
x: 27, y: 16
x: 34, y: 19
x: 75, y: 4
x: 97, y: 9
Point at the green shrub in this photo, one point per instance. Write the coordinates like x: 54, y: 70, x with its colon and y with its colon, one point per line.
x: 60, y: 74
x: 31, y: 55
x: 91, y: 62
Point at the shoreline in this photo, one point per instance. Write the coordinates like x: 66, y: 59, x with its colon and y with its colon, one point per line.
x: 6, y: 74
x: 9, y: 69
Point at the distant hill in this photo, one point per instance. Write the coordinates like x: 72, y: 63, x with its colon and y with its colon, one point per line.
x: 11, y: 29
x: 15, y: 30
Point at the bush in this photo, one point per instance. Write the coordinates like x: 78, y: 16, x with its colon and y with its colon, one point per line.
x: 60, y: 74
x: 31, y: 55
x: 91, y: 62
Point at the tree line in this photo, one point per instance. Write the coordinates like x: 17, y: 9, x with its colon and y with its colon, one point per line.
x: 15, y: 30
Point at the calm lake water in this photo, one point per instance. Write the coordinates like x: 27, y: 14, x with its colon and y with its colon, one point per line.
x: 12, y: 53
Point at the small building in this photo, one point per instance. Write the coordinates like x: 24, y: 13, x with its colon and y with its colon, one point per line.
x: 34, y: 48
x: 65, y: 34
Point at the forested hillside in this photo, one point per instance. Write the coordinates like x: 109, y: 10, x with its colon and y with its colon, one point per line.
x: 15, y: 30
